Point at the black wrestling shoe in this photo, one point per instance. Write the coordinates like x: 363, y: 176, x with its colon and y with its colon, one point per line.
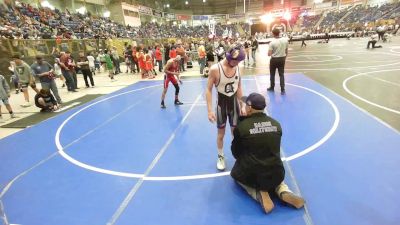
x: 283, y: 92
x: 270, y: 89
x: 177, y: 102
x: 163, y: 106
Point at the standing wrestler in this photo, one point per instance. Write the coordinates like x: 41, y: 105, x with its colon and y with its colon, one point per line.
x: 171, y: 69
x: 226, y: 78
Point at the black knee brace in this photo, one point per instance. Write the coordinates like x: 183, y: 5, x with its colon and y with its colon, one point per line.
x: 176, y: 89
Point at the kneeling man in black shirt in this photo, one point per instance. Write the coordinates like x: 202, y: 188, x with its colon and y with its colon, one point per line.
x: 256, y: 148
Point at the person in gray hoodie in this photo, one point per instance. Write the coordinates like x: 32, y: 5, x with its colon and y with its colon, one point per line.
x: 4, y: 95
x: 26, y: 79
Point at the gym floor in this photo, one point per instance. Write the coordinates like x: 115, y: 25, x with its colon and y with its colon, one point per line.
x: 120, y: 159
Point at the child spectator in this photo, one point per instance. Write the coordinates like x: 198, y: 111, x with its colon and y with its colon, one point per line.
x: 4, y: 95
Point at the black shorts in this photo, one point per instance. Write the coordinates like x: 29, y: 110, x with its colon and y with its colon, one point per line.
x: 227, y: 107
x: 25, y: 85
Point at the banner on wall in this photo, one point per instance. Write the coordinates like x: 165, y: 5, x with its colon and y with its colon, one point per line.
x: 183, y: 17
x: 236, y: 16
x: 157, y: 13
x: 323, y: 5
x: 200, y: 17
x: 170, y: 16
x: 218, y: 17
x: 346, y: 2
x: 130, y: 7
x: 145, y: 10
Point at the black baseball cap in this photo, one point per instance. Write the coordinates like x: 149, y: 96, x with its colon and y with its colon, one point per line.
x: 255, y: 100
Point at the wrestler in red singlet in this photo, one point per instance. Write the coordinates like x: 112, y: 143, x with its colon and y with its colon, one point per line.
x: 171, y: 69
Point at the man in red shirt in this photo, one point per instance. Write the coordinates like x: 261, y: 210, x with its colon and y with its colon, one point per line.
x: 171, y: 69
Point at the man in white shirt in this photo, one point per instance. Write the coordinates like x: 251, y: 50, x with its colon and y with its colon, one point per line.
x: 91, y: 63
x: 372, y: 40
x: 278, y: 50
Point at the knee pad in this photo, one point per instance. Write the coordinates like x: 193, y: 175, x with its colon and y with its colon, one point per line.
x: 176, y: 89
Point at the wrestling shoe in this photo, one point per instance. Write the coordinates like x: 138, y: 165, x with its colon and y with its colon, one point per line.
x: 163, y: 106
x: 177, y: 102
x: 221, y: 162
x: 270, y: 89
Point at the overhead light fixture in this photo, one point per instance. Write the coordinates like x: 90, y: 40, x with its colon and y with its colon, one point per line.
x: 267, y: 18
x: 287, y: 16
x: 107, y: 14
x: 204, y: 1
x: 81, y: 10
x: 186, y: 2
x: 46, y: 4
x: 167, y: 5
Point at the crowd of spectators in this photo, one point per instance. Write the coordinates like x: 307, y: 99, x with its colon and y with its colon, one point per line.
x: 351, y: 18
x: 26, y: 22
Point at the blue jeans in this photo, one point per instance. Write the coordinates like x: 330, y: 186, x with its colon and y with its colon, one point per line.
x: 69, y: 80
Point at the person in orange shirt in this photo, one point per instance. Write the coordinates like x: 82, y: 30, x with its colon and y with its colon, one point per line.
x: 159, y: 58
x: 172, y: 52
x: 202, y: 57
x: 148, y: 67
x: 181, y: 52
x: 140, y: 58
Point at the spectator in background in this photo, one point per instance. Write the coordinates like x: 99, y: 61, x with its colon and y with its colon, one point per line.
x: 65, y: 69
x: 72, y: 68
x: 129, y: 59
x: 220, y: 51
x: 58, y: 72
x: 109, y: 65
x: 91, y: 60
x: 254, y: 47
x: 4, y: 95
x: 167, y: 48
x: 141, y: 61
x: 25, y: 75
x: 247, y: 45
x: 172, y: 52
x: 148, y: 67
x: 84, y: 65
x: 115, y: 59
x: 181, y: 52
x: 45, y: 101
x: 136, y: 67
x: 303, y: 39
x: 158, y: 55
x: 14, y: 78
x: 44, y: 71
x: 209, y: 54
x: 201, y: 51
